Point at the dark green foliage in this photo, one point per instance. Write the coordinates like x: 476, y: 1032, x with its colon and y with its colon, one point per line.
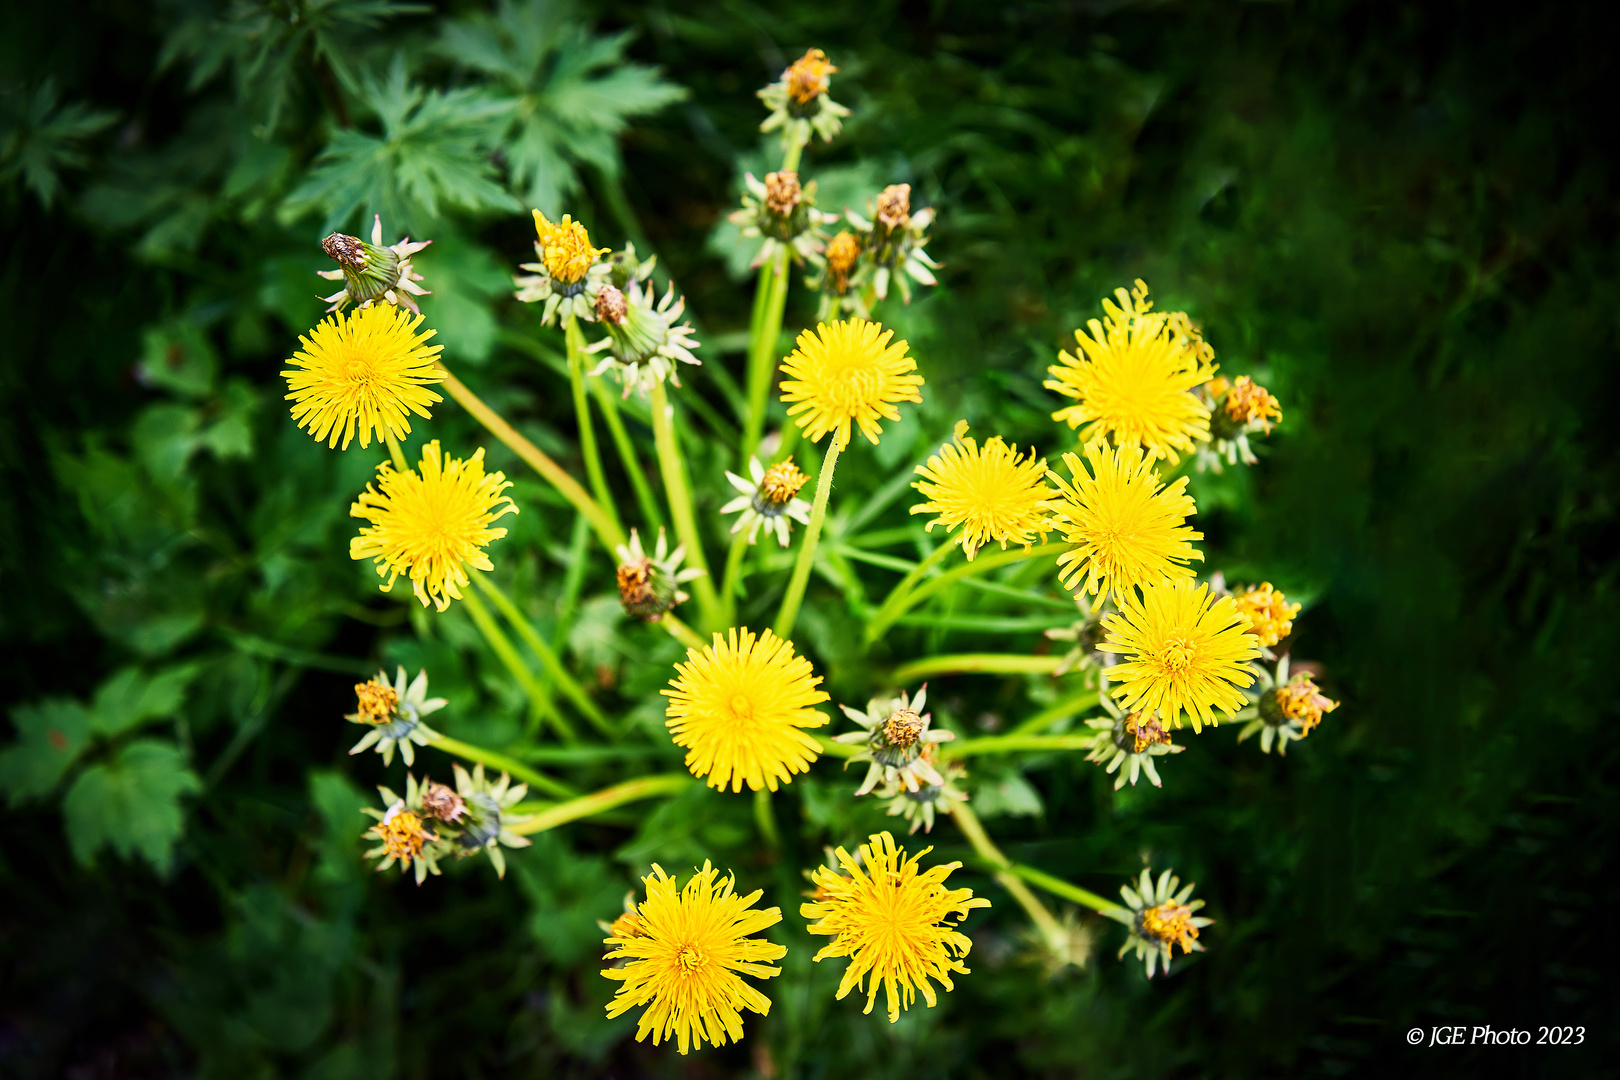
x: 1398, y: 217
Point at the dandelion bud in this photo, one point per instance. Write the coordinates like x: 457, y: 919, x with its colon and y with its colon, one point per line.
x: 650, y: 587
x: 782, y: 192
x: 611, y: 306
x: 806, y: 77
x: 350, y: 251
x: 894, y: 206
x: 372, y: 273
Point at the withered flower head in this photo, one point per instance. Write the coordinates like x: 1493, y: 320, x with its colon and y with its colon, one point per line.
x: 347, y: 250
x: 611, y: 306
x: 782, y: 481
x: 842, y: 253
x: 376, y: 702
x: 806, y: 77
x: 443, y: 802
x: 903, y: 728
x: 782, y: 192
x: 894, y: 206
x: 1146, y: 730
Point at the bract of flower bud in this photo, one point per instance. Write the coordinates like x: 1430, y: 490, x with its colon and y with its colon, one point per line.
x: 647, y: 344
x: 650, y: 586
x: 896, y: 742
x: 372, y: 273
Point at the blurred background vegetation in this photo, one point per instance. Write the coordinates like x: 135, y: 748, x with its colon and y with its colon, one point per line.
x: 1400, y: 217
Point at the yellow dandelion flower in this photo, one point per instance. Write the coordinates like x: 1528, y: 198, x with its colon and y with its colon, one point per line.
x: 1248, y: 403
x: 683, y: 955
x: 1133, y: 379
x: 376, y: 702
x: 363, y: 373
x: 737, y: 707
x: 566, y: 248
x: 893, y: 920
x: 842, y: 252
x: 806, y: 77
x: 1183, y: 652
x: 992, y: 491
x: 1300, y: 700
x: 1270, y: 615
x: 1127, y: 528
x: 847, y: 371
x: 431, y: 525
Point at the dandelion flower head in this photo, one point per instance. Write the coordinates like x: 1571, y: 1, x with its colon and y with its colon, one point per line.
x: 683, y: 955
x: 847, y: 372
x: 566, y: 248
x: 807, y: 77
x: 738, y: 707
x: 1184, y: 652
x: 842, y: 252
x: 992, y: 491
x: 1271, y: 616
x: 363, y: 373
x: 895, y: 921
x: 1301, y: 701
x: 432, y: 524
x: 1132, y: 378
x: 1127, y: 529
x: 1248, y: 403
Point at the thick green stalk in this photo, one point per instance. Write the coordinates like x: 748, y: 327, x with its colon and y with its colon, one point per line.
x: 673, y: 470
x: 681, y: 632
x: 574, y: 338
x: 1044, y: 921
x: 627, y: 454
x: 396, y: 454
x: 573, y: 582
x: 1008, y: 744
x: 765, y: 818
x: 502, y: 647
x: 553, y: 663
x: 646, y: 787
x: 1059, y: 887
x: 998, y: 663
x: 773, y: 281
x: 923, y: 591
x: 733, y: 575
x: 607, y: 529
x: 895, y: 603
x: 789, y: 613
x: 504, y: 763
x: 1061, y: 711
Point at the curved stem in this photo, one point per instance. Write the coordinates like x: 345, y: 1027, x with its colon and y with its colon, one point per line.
x: 539, y: 701
x: 680, y: 502
x: 894, y: 605
x: 542, y: 648
x: 996, y: 663
x: 1059, y: 887
x: 789, y: 612
x: 504, y: 763
x: 646, y: 787
x: 773, y: 284
x: 627, y: 454
x: 733, y: 575
x: 1061, y: 711
x: 984, y: 562
x: 681, y: 632
x: 1008, y: 744
x: 396, y: 454
x: 607, y: 530
x: 968, y: 822
x: 574, y: 340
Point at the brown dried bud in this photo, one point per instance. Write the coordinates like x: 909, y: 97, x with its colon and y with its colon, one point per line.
x: 443, y: 802
x: 894, y: 206
x: 782, y: 192
x: 611, y: 306
x: 1148, y: 732
x: 638, y: 591
x: 345, y: 250
x: 902, y: 728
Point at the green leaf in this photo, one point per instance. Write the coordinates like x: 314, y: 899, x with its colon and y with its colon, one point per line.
x: 130, y: 699
x: 38, y: 141
x: 50, y: 736
x: 131, y: 804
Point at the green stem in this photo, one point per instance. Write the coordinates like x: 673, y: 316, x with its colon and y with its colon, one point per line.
x: 733, y: 576
x: 1061, y: 711
x: 790, y: 156
x: 928, y: 588
x: 835, y: 749
x: 773, y: 281
x: 505, y: 764
x: 574, y: 338
x: 894, y: 605
x: 997, y: 663
x: 607, y: 529
x: 396, y: 454
x: 789, y: 612
x: 627, y: 453
x: 552, y: 662
x: 681, y: 632
x: 646, y: 787
x: 673, y: 470
x: 1008, y: 744
x: 765, y: 818
x: 968, y: 822
x: 1059, y: 887
x: 539, y: 702
x: 573, y: 582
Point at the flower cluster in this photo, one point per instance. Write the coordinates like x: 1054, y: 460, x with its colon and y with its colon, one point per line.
x: 475, y: 816
x: 884, y: 247
x: 799, y: 104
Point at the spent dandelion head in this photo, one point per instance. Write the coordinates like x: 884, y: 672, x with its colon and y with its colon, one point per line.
x: 843, y: 251
x: 739, y: 707
x: 646, y: 342
x: 1184, y: 653
x: 895, y: 921
x: 431, y: 524
x: 363, y: 373
x: 781, y: 213
x: 372, y: 273
x: 1127, y: 742
x: 769, y: 499
x: 845, y: 373
x: 894, y: 239
x: 403, y: 835
x: 920, y: 806
x: 683, y: 954
x: 799, y: 104
x: 1283, y: 709
x: 394, y: 715
x: 1127, y: 528
x: 994, y: 493
x: 895, y: 740
x: 650, y: 585
x: 490, y: 821
x: 1160, y: 915
x: 1133, y: 378
x: 1239, y: 409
